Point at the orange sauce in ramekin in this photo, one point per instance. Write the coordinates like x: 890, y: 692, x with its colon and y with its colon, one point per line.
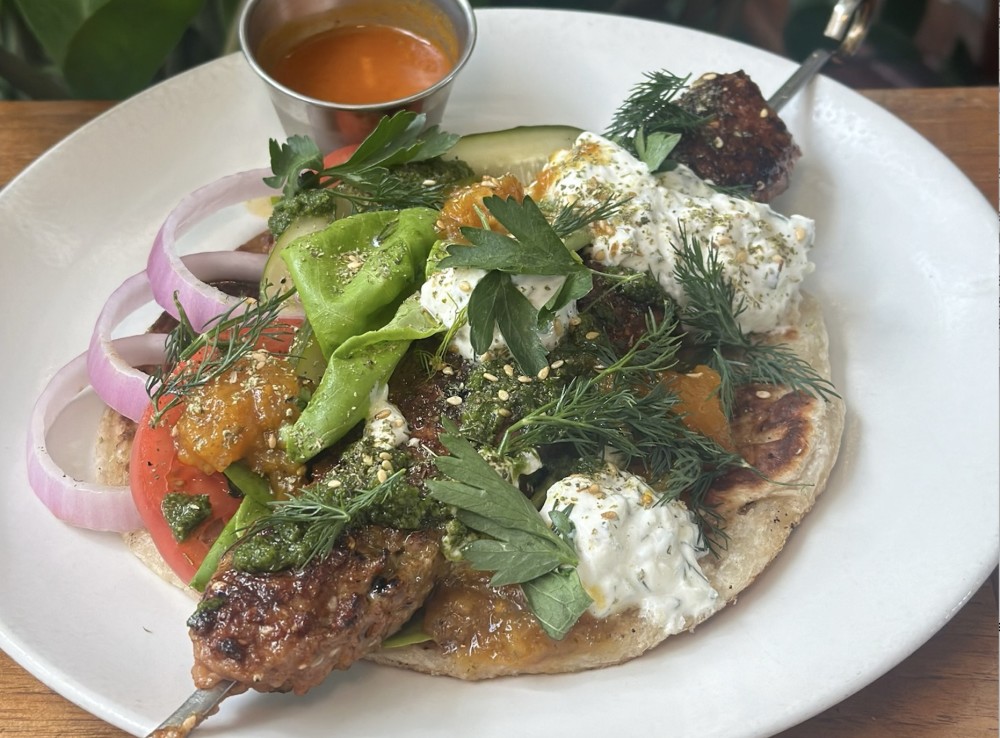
x: 362, y: 64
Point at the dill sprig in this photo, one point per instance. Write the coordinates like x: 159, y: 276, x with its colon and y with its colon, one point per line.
x: 226, y: 339
x: 382, y: 189
x: 624, y: 410
x: 649, y: 122
x: 575, y: 217
x: 710, y: 319
x: 321, y: 517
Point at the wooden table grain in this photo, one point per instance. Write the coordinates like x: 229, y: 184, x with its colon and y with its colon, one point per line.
x: 947, y: 688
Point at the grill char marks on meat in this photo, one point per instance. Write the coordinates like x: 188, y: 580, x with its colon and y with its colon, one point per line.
x: 744, y: 142
x: 286, y: 631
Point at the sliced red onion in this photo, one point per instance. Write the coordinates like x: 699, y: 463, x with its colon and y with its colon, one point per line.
x: 112, y: 371
x: 168, y: 273
x: 80, y: 503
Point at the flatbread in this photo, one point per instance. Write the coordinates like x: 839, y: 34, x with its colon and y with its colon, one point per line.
x: 793, y: 438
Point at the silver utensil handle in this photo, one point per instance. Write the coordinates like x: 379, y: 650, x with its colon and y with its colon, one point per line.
x: 849, y: 23
x: 189, y: 715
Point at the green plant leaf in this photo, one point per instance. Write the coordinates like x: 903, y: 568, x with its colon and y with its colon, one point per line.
x: 557, y: 599
x: 55, y: 22
x: 117, y: 50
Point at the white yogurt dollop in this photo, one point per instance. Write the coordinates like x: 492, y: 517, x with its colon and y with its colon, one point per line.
x: 634, y: 553
x: 764, y: 253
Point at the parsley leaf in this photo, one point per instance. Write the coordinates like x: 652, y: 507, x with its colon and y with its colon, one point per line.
x: 532, y: 248
x: 398, y: 139
x: 557, y: 599
x: 521, y: 549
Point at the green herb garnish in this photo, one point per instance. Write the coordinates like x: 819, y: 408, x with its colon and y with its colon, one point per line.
x: 306, y: 526
x: 624, y: 409
x: 649, y: 123
x: 367, y: 176
x: 710, y: 320
x: 225, y: 340
x: 534, y: 248
x: 520, y: 549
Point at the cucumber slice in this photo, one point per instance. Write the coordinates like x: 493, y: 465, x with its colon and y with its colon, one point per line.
x: 276, y: 278
x: 521, y: 151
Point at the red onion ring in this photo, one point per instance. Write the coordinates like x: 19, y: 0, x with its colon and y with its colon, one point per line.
x: 111, y: 371
x: 167, y: 271
x: 83, y: 504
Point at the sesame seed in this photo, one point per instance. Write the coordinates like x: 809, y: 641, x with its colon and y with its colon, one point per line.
x: 508, y: 370
x: 387, y: 465
x: 717, y: 143
x: 381, y: 476
x: 800, y: 233
x: 490, y: 377
x: 503, y: 412
x: 709, y: 76
x: 385, y: 456
x: 447, y: 371
x: 272, y: 442
x: 575, y: 320
x: 524, y: 379
x: 367, y: 460
x: 465, y: 286
x: 543, y: 373
x: 334, y: 483
x: 558, y: 364
x: 591, y: 335
x: 504, y: 395
x: 454, y: 400
x: 383, y: 414
x: 763, y: 394
x: 763, y: 112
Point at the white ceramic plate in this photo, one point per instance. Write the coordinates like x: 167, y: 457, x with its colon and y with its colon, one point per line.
x: 907, y: 531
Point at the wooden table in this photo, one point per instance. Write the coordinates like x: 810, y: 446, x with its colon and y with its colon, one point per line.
x: 948, y: 688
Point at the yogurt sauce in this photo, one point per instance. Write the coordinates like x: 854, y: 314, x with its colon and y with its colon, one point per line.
x: 764, y: 253
x: 634, y: 553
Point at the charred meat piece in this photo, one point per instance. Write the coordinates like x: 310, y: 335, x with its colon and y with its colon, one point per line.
x: 285, y: 631
x: 744, y: 142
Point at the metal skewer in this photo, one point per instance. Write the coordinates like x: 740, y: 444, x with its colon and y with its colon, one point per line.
x: 196, y: 708
x: 848, y: 24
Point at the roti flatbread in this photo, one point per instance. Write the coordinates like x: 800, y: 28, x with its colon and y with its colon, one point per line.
x: 791, y: 438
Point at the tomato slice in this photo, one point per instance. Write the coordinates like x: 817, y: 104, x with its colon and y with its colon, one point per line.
x: 155, y: 471
x: 339, y: 156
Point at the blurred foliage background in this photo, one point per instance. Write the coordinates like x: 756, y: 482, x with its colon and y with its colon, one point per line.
x: 111, y: 49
